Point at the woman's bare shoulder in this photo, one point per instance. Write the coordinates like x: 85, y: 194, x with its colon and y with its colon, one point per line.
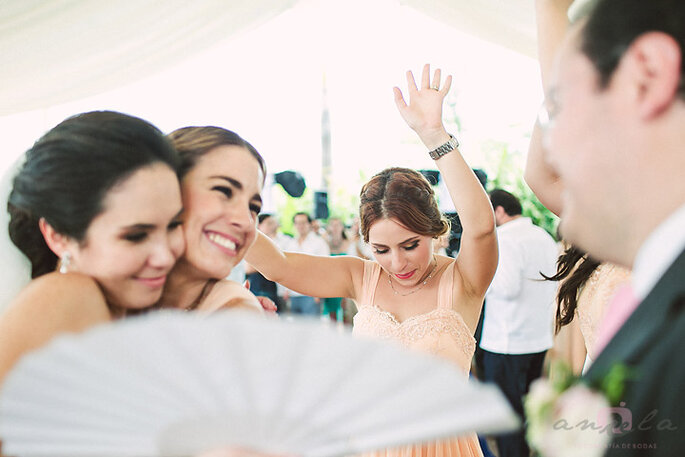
x: 227, y: 294
x: 62, y: 298
x: 49, y: 306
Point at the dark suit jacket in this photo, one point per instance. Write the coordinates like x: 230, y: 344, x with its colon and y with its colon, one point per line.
x: 652, y: 343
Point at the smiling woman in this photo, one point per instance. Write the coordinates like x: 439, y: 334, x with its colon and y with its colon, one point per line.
x: 400, y: 219
x: 97, y: 198
x: 135, y: 214
x: 222, y: 177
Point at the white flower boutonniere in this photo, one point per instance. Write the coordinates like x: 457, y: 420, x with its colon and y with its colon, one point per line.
x: 568, y: 418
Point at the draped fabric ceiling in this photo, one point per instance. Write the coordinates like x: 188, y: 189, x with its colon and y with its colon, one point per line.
x: 53, y: 51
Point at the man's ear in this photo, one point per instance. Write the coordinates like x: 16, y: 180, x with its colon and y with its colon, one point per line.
x: 653, y: 60
x: 57, y: 242
x: 499, y: 214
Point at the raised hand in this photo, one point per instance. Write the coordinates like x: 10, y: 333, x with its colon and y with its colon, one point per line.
x: 424, y: 111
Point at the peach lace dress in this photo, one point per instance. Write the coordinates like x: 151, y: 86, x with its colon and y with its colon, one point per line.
x: 441, y: 332
x: 593, y: 300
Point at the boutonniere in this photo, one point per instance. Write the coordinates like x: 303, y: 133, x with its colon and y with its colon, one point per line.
x: 567, y: 417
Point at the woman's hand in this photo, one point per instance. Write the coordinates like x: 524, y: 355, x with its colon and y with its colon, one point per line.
x: 268, y: 304
x: 424, y: 111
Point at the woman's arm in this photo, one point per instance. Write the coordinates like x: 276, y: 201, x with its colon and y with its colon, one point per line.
x: 552, y: 22
x: 48, y: 306
x: 477, y: 259
x: 316, y: 276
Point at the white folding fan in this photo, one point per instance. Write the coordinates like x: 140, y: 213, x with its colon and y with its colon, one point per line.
x: 173, y: 384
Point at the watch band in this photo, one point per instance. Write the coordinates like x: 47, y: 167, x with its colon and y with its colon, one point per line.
x: 443, y: 149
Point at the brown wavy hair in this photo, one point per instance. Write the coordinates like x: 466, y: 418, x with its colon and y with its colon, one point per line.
x: 405, y: 195
x: 574, y: 268
x: 194, y: 142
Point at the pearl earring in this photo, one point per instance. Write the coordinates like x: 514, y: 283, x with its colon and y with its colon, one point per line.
x: 64, y: 262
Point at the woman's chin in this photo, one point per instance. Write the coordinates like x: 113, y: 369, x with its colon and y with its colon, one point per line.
x: 219, y: 269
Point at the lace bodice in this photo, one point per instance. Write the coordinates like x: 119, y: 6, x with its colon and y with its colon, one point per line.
x: 440, y: 332
x: 594, y: 298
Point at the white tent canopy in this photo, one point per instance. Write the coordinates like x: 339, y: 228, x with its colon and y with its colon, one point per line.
x: 57, y: 52
x: 54, y: 51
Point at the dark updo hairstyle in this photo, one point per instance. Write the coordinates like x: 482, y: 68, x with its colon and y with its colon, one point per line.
x: 194, y: 142
x: 405, y: 195
x: 68, y: 172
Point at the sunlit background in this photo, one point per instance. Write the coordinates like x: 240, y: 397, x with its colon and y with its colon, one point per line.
x: 272, y: 83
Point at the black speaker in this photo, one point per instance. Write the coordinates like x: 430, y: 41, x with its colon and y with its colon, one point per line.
x: 292, y: 182
x: 433, y: 176
x: 320, y: 205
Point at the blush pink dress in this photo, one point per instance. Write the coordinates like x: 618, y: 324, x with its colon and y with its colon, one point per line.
x: 441, y: 332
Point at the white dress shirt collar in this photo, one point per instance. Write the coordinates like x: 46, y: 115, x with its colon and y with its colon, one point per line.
x: 658, y: 252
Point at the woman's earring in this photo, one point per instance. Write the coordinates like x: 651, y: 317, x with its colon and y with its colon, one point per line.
x: 64, y: 262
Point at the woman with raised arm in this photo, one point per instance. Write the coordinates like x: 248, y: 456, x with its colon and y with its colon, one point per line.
x: 425, y: 301
x: 95, y: 207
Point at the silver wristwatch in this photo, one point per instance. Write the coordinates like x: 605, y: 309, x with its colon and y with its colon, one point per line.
x: 443, y: 149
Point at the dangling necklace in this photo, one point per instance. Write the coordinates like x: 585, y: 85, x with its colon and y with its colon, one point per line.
x: 425, y: 281
x: 203, y: 294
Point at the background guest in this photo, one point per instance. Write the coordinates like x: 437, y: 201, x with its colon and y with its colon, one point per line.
x: 308, y: 242
x: 259, y: 285
x: 338, y: 245
x: 357, y: 246
x: 517, y: 325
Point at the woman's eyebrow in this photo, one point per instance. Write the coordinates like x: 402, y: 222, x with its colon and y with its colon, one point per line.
x: 413, y: 238
x: 144, y: 226
x: 234, y: 182
x: 238, y: 185
x: 140, y: 226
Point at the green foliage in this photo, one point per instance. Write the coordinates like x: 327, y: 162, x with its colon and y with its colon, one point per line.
x: 505, y: 171
x: 287, y: 207
x: 504, y: 167
x: 343, y: 202
x: 613, y: 384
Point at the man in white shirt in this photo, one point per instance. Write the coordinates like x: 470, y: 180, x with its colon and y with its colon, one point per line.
x: 519, y: 310
x: 306, y: 242
x: 613, y: 131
